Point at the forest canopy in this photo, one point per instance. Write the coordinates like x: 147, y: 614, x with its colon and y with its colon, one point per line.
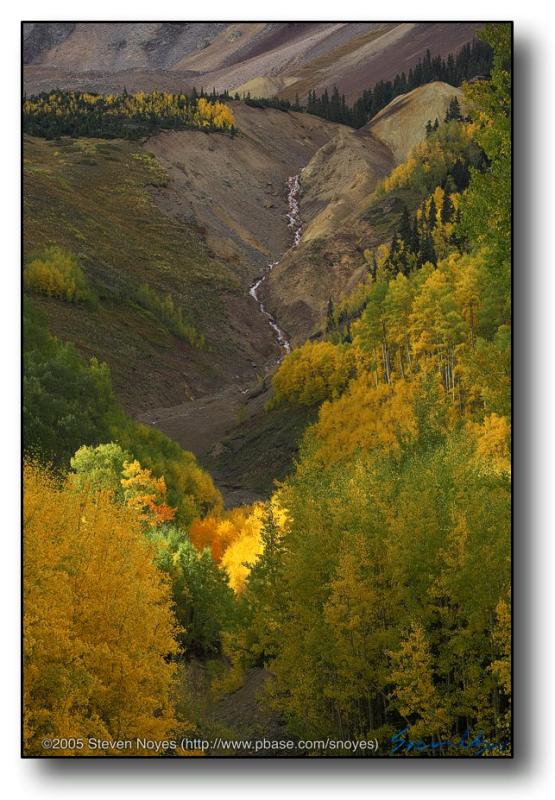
x: 128, y: 116
x: 384, y: 604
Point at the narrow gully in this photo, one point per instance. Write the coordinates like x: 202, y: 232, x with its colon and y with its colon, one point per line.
x: 295, y: 226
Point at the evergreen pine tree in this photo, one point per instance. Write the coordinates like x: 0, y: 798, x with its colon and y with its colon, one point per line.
x: 392, y: 264
x: 415, y: 237
x: 405, y: 232
x: 427, y: 251
x: 374, y: 268
x: 453, y: 110
x: 432, y: 215
x: 446, y: 208
x: 330, y: 322
x: 461, y: 174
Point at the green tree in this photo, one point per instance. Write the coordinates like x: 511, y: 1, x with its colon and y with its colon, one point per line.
x: 203, y: 601
x: 453, y: 111
x: 65, y: 402
x: 486, y: 206
x: 100, y: 467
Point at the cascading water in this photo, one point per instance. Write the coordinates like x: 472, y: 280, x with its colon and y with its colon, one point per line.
x: 294, y: 215
x: 295, y: 226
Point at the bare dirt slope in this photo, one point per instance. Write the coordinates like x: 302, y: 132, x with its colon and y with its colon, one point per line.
x: 400, y: 125
x: 340, y: 176
x: 83, y: 46
x: 336, y: 185
x: 234, y: 189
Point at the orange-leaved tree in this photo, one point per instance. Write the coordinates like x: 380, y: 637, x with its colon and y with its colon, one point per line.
x: 146, y: 494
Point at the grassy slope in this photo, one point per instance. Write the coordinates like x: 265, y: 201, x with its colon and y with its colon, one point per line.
x: 92, y: 197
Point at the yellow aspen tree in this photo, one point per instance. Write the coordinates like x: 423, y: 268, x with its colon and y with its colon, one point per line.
x: 99, y: 630
x: 414, y: 694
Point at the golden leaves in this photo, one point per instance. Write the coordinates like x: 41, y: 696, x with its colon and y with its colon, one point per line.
x: 493, y: 444
x: 366, y: 417
x: 97, y: 617
x: 145, y: 494
x: 312, y: 373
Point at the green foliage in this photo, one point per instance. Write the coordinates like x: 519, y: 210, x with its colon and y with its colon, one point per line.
x: 372, y: 549
x: 453, y: 110
x: 100, y: 468
x: 92, y: 211
x: 442, y: 159
x: 473, y: 59
x: 190, y: 488
x: 486, y: 208
x: 66, y: 403
x: 385, y: 601
x: 374, y: 586
x: 203, y: 600
x: 280, y: 103
x: 56, y: 273
x: 166, y: 310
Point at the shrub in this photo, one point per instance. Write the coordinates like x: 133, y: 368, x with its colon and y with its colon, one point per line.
x: 56, y: 273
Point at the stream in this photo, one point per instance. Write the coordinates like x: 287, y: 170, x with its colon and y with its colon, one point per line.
x: 203, y: 423
x: 295, y: 226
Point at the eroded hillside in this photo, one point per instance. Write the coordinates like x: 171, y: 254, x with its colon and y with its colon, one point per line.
x: 401, y: 124
x: 199, y: 217
x: 234, y: 189
x: 192, y: 215
x: 341, y: 215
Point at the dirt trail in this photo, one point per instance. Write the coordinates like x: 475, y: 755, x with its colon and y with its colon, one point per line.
x: 242, y: 715
x: 244, y: 711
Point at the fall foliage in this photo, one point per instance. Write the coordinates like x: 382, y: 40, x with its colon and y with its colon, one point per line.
x: 373, y: 585
x: 315, y: 372
x: 385, y: 600
x: 99, y: 630
x: 127, y: 115
x: 57, y: 273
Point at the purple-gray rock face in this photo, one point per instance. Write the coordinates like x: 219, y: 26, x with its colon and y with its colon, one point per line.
x: 265, y: 59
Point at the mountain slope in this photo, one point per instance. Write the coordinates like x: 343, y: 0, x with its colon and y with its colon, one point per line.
x: 234, y: 188
x: 401, y: 124
x: 201, y: 231
x: 263, y: 58
x: 84, y: 46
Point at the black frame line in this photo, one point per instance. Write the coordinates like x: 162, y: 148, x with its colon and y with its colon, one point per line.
x: 274, y: 758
